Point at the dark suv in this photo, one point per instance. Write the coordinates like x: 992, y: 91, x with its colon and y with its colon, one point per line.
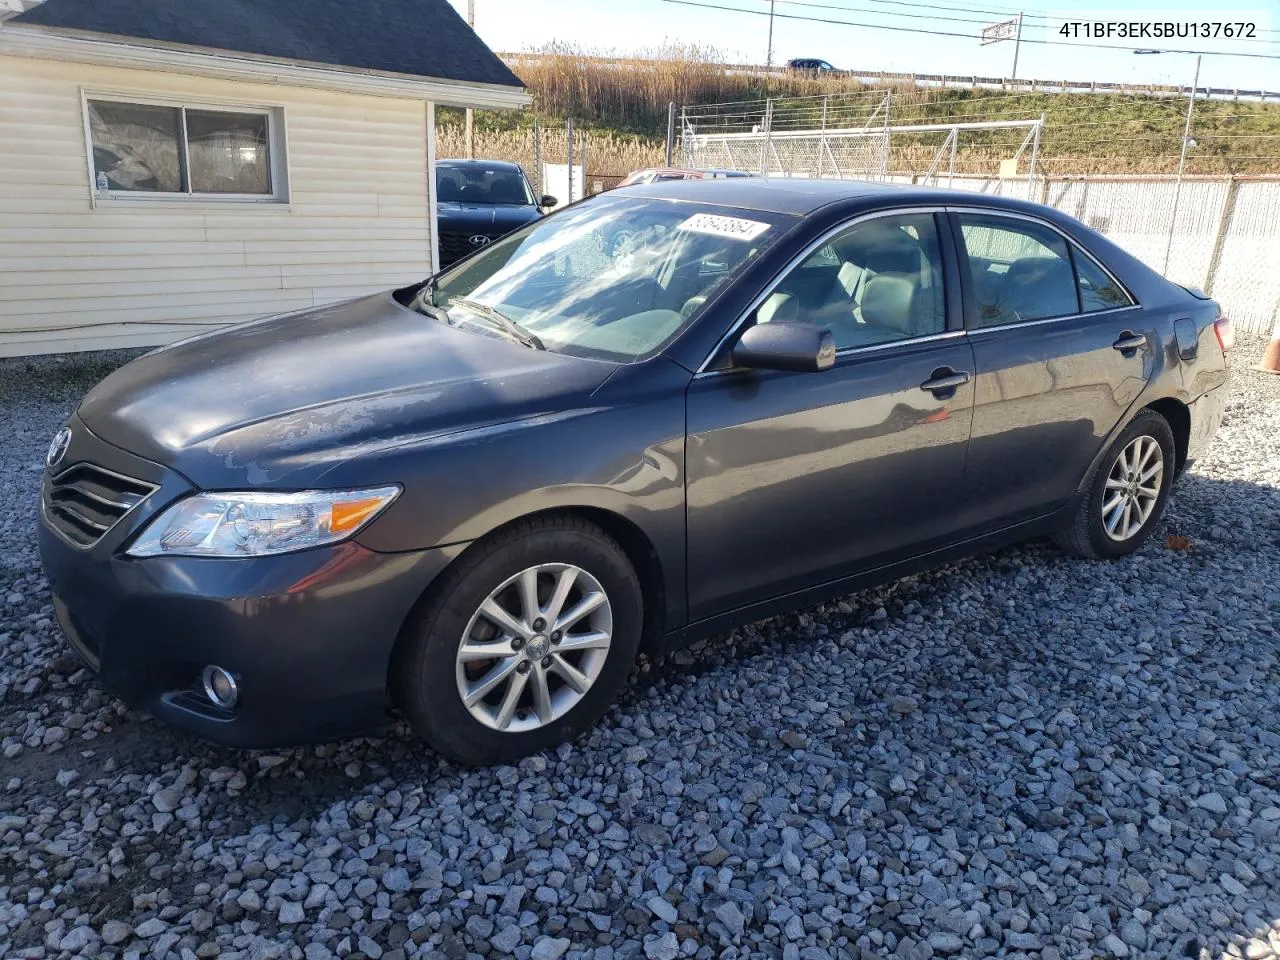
x: 480, y: 201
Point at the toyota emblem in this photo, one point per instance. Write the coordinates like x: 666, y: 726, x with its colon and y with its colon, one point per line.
x: 58, y: 448
x: 479, y: 240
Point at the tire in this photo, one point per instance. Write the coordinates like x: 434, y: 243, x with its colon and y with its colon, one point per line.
x: 1087, y: 533
x: 429, y: 675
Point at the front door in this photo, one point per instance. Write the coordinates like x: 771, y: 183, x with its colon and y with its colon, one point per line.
x: 795, y: 479
x: 1062, y: 351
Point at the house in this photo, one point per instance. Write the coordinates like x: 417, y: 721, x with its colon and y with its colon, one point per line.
x: 169, y: 166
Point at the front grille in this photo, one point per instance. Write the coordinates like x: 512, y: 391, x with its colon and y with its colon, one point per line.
x: 84, y: 502
x: 455, y: 246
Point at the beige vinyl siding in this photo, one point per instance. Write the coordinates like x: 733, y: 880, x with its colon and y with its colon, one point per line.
x: 145, y: 272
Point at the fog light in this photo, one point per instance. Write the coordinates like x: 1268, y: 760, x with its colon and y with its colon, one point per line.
x: 220, y: 687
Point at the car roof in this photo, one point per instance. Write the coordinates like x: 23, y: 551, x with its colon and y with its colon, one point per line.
x: 485, y: 164
x: 799, y: 197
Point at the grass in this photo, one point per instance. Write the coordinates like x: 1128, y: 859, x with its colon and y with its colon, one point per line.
x: 621, y: 104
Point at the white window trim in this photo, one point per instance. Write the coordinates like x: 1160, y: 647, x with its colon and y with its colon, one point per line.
x: 277, y: 150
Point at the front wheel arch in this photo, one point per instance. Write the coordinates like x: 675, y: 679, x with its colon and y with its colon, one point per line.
x: 416, y: 666
x: 634, y: 542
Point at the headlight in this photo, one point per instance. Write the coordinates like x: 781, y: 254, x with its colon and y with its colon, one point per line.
x: 259, y: 524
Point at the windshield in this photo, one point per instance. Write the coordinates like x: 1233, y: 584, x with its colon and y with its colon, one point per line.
x: 613, y: 278
x: 479, y: 183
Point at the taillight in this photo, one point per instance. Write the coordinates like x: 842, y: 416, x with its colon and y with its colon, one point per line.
x: 1226, y: 333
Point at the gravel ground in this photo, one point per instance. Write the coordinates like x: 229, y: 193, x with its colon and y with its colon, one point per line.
x: 1020, y: 755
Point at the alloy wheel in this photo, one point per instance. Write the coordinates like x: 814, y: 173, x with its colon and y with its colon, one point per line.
x: 534, y: 647
x: 1133, y: 488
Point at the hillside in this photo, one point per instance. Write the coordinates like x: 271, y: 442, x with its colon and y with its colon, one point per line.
x: 624, y: 103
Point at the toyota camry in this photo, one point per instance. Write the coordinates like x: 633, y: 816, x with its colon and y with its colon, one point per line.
x: 652, y: 415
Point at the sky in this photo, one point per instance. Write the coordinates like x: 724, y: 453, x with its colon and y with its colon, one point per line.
x: 640, y: 26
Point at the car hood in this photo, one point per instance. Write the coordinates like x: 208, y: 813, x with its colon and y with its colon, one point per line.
x: 283, y: 400
x: 483, y: 216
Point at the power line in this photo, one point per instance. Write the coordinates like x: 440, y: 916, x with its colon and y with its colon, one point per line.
x: 952, y: 33
x: 885, y: 13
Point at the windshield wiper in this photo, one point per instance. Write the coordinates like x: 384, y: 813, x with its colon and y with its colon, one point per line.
x: 505, y: 323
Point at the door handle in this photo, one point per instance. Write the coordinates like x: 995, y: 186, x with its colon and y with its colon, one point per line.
x: 944, y: 380
x: 1129, y: 341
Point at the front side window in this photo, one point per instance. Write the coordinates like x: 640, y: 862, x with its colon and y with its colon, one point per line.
x: 153, y: 149
x: 615, y: 278
x: 1019, y: 270
x: 877, y: 282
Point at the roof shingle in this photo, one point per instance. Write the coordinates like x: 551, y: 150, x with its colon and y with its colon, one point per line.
x: 423, y: 38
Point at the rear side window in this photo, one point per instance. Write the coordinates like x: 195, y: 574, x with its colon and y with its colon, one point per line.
x: 1097, y: 290
x: 1019, y: 271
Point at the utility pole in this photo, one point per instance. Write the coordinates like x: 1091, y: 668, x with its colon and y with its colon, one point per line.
x: 471, y: 114
x: 1182, y: 164
x: 1017, y: 42
x: 768, y: 60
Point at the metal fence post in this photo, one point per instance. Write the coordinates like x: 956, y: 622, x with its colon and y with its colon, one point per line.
x: 884, y: 155
x: 539, y: 173
x: 1035, y: 155
x: 671, y: 131
x: 767, y: 140
x: 955, y: 143
x: 568, y: 129
x: 582, y: 160
x: 1220, y: 235
x: 686, y: 148
x: 822, y: 136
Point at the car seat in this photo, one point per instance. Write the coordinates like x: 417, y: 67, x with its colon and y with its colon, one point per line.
x: 889, y: 303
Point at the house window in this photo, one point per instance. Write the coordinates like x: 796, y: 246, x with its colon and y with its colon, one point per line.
x: 171, y: 150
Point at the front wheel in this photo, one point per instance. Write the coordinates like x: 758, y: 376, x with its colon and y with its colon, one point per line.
x: 1126, y: 494
x: 524, y: 644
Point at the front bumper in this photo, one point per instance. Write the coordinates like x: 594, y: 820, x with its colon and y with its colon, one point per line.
x: 307, y: 635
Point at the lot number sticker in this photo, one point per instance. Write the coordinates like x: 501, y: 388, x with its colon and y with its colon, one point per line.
x: 732, y: 227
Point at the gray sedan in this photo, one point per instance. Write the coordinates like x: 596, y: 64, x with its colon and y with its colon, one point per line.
x: 641, y: 420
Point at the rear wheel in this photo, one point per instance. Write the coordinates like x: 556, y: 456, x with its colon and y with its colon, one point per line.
x: 523, y: 645
x: 1125, y: 496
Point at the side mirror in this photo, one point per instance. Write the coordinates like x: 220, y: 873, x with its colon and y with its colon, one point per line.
x: 802, y: 347
x: 547, y: 200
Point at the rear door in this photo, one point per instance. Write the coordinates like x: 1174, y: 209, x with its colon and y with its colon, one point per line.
x: 1061, y: 350
x: 795, y: 479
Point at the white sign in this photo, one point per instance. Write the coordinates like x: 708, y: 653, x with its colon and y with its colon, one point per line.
x: 733, y: 227
x: 555, y: 181
x: 995, y: 32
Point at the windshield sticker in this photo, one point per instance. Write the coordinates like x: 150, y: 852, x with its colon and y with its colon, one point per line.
x: 732, y: 227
